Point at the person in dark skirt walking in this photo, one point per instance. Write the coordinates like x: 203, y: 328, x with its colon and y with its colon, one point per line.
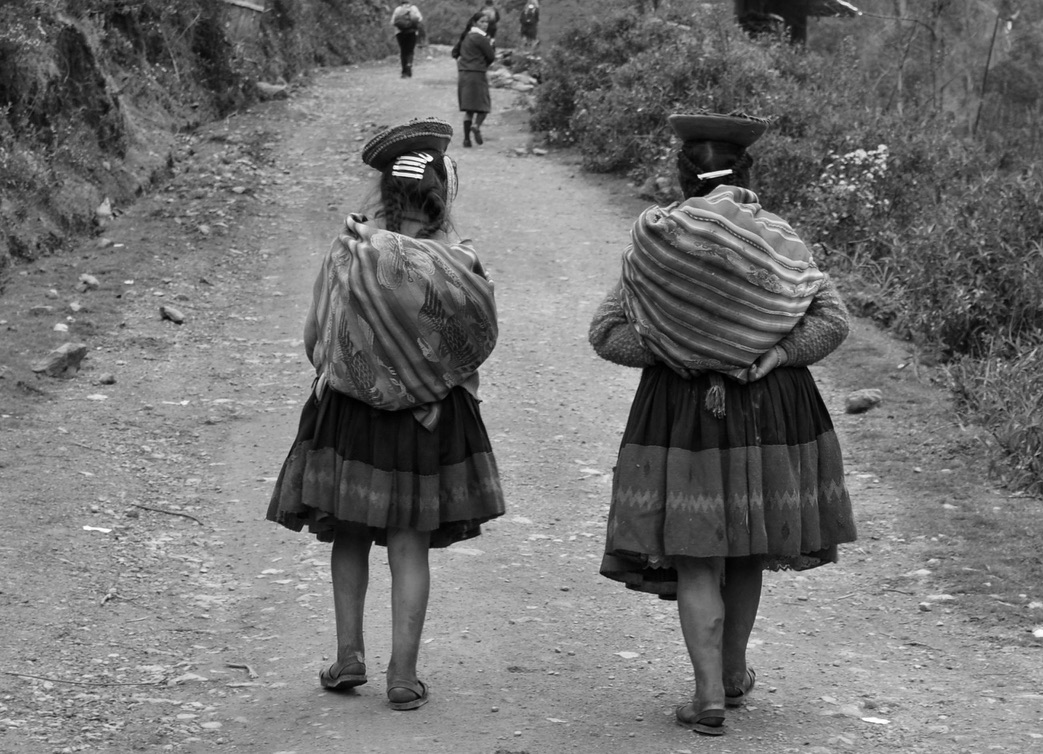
x: 729, y: 463
x: 475, y: 54
x: 408, y: 23
x: 530, y: 23
x: 391, y: 447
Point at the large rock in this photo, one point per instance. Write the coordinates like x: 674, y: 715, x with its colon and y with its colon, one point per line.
x: 63, y: 361
x: 174, y: 315
x: 861, y: 401
x: 268, y: 91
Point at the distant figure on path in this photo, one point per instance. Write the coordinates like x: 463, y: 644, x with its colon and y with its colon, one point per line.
x: 729, y: 463
x: 408, y: 22
x: 474, y: 54
x: 530, y: 22
x: 391, y: 447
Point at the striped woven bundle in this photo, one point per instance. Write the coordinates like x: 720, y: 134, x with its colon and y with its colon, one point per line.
x: 402, y: 320
x: 715, y: 281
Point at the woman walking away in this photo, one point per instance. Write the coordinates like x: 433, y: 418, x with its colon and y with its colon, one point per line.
x: 408, y: 23
x: 530, y: 23
x: 391, y: 447
x: 729, y: 463
x: 476, y: 54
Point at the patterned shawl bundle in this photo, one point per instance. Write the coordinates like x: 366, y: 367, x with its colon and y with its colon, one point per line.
x: 715, y: 281
x: 402, y: 320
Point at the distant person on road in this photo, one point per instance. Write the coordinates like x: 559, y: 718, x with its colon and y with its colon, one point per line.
x: 729, y: 463
x: 408, y: 23
x: 391, y: 447
x: 474, y: 53
x: 492, y: 14
x: 530, y: 22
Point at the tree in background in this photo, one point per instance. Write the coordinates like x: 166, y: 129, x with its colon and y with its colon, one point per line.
x: 974, y: 62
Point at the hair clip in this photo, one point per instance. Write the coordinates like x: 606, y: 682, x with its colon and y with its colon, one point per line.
x: 411, y: 165
x: 714, y: 174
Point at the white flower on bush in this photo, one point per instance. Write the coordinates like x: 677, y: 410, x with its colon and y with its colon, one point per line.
x: 850, y: 183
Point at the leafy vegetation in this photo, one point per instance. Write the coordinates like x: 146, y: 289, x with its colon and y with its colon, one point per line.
x: 888, y: 151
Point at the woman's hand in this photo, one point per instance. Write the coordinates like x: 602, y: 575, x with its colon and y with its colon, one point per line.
x: 773, y: 357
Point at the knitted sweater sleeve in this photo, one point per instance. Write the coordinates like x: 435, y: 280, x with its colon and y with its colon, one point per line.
x: 613, y: 338
x: 820, y: 331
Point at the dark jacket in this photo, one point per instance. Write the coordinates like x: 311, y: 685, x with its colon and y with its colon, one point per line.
x: 476, y: 52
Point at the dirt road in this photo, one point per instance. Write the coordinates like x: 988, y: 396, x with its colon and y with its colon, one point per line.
x: 147, y: 605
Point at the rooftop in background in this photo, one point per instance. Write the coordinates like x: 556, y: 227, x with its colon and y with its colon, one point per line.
x: 831, y: 8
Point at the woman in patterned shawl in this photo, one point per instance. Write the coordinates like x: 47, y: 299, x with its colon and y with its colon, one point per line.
x: 391, y: 446
x: 729, y: 463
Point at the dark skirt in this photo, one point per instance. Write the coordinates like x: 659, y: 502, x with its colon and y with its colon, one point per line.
x: 352, y: 465
x: 472, y: 90
x: 765, y: 480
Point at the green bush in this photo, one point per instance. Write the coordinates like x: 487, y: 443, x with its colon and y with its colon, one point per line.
x: 975, y: 268
x: 583, y: 63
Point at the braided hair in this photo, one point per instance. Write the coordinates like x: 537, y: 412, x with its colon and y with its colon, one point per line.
x: 430, y: 196
x: 467, y: 30
x: 699, y: 157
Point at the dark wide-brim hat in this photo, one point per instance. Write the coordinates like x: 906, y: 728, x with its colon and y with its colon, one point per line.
x: 735, y: 128
x: 418, y: 134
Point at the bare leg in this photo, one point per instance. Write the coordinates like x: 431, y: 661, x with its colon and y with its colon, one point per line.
x: 743, y: 578
x: 349, y: 568
x: 410, y: 587
x: 701, y: 610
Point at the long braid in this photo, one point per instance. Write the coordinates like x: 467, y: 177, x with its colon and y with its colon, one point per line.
x: 432, y: 198
x: 393, y: 202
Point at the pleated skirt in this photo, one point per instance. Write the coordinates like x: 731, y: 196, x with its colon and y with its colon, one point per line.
x: 472, y: 91
x: 352, y: 466
x: 765, y: 480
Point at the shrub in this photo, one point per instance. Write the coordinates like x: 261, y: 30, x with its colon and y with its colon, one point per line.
x: 1002, y: 393
x: 583, y: 63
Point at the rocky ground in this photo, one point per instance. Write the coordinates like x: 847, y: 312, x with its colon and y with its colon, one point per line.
x: 148, y: 606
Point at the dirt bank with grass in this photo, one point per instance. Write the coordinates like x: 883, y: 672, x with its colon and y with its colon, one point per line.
x: 148, y: 607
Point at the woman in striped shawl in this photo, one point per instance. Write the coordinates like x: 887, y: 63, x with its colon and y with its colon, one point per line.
x: 729, y: 464
x: 391, y: 448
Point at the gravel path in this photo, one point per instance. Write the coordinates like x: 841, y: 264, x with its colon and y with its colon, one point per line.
x: 225, y: 621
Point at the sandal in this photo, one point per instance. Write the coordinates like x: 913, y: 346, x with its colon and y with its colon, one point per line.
x: 418, y: 689
x: 344, y: 679
x: 736, y: 697
x: 709, y: 722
